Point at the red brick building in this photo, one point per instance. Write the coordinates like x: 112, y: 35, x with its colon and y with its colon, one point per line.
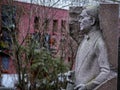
x: 26, y: 20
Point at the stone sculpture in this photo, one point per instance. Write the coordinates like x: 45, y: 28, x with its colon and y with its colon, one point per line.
x: 91, y: 66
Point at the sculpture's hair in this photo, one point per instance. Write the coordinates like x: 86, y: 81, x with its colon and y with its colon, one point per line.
x: 93, y: 11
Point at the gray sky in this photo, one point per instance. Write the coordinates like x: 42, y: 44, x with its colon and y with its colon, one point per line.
x: 23, y: 0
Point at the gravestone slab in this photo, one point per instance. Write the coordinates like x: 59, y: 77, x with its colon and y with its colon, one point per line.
x: 109, y: 24
x: 109, y: 14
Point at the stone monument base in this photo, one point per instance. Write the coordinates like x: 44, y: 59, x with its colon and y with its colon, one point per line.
x: 109, y: 85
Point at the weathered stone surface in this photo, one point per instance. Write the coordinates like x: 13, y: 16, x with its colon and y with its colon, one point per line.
x: 110, y: 85
x: 109, y: 25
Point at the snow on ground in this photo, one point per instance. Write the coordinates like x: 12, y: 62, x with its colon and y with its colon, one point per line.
x: 9, y: 80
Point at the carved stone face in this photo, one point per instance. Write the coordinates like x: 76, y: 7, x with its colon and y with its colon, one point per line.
x: 85, y: 21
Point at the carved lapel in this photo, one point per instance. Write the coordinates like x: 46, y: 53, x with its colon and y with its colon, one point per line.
x: 85, y: 48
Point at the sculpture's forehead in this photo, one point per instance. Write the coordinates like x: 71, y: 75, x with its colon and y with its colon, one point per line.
x: 84, y: 13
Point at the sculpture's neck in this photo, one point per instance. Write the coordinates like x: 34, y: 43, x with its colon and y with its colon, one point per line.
x: 94, y: 28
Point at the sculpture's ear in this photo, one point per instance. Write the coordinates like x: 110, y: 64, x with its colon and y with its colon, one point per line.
x: 92, y: 20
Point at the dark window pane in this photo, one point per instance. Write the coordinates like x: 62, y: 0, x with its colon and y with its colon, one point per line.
x: 8, y: 16
x: 55, y: 25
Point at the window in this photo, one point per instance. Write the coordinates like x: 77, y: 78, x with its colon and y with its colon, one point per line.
x: 36, y: 37
x: 5, y: 63
x: 28, y: 39
x: 63, y: 25
x: 8, y: 17
x: 5, y: 60
x: 36, y: 22
x: 55, y: 25
x: 8, y: 26
x: 47, y: 41
x: 46, y: 23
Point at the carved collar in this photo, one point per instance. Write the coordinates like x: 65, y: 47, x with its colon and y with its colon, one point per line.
x: 90, y: 34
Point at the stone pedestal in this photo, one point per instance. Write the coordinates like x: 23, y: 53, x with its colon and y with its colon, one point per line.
x: 110, y: 85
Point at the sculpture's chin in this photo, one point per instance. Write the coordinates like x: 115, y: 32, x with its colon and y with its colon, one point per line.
x: 81, y: 29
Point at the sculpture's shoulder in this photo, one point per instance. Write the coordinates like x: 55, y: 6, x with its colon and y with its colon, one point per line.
x: 95, y: 33
x: 98, y: 33
x: 99, y: 40
x: 95, y: 36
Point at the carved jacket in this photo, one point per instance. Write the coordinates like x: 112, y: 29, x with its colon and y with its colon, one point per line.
x: 92, y: 66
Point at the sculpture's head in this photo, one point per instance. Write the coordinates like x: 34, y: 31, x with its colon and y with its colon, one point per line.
x: 89, y: 18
